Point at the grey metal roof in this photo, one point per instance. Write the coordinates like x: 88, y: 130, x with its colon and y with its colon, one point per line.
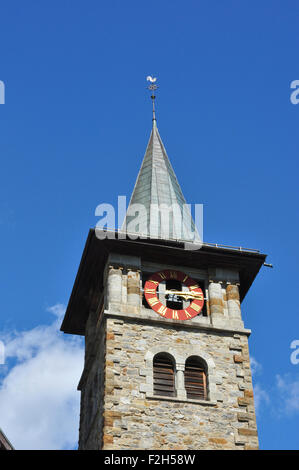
x: 156, y: 188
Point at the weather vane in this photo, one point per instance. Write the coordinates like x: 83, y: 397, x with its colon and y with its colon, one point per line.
x: 152, y: 87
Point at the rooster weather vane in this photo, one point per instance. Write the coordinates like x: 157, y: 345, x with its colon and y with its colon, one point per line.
x: 152, y: 87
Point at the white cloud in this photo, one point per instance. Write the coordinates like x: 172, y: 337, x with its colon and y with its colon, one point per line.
x: 39, y: 401
x: 58, y: 310
x: 288, y: 388
x: 261, y: 398
x: 255, y: 366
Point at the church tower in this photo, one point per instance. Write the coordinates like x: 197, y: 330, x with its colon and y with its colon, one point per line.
x: 166, y: 350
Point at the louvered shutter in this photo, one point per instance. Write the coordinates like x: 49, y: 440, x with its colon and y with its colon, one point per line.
x: 163, y: 376
x: 195, y: 380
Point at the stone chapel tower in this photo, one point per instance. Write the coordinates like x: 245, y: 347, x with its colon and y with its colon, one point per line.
x: 166, y: 350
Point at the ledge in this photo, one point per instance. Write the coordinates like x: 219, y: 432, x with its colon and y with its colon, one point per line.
x: 181, y: 400
x: 140, y: 317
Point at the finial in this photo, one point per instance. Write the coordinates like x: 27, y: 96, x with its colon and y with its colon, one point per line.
x: 153, y: 88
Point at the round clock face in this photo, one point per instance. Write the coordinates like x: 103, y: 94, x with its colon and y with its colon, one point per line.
x: 194, y: 294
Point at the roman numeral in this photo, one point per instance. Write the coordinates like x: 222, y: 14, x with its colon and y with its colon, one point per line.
x: 150, y: 291
x: 153, y: 301
x: 195, y: 307
x: 162, y: 310
x: 162, y: 275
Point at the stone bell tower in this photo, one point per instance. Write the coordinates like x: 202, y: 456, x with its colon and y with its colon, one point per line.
x: 166, y: 350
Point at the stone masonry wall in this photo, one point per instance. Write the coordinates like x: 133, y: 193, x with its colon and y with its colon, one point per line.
x: 92, y: 385
x: 134, y: 419
x: 118, y: 408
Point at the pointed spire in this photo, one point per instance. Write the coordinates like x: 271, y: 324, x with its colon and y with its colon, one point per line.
x: 157, y: 207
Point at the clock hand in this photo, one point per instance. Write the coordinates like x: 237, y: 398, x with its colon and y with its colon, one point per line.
x: 185, y: 295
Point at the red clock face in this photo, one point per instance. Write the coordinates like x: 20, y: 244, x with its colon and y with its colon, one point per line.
x: 194, y: 294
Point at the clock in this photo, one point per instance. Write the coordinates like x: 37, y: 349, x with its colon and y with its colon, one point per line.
x: 194, y: 293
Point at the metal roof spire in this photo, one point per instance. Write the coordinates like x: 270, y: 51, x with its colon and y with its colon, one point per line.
x: 156, y: 189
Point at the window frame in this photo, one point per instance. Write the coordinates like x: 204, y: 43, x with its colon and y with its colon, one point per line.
x: 196, y: 374
x: 164, y: 375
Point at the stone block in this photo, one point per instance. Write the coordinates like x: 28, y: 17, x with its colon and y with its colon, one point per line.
x: 243, y: 417
x: 235, y: 347
x: 218, y: 440
x: 244, y: 401
x: 145, y: 388
x: 107, y: 439
x: 238, y: 359
x: 247, y: 432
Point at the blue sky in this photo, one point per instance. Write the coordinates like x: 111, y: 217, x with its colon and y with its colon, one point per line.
x: 73, y: 131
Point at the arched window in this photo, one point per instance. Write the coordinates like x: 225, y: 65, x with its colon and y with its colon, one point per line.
x: 195, y: 378
x: 164, y: 381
